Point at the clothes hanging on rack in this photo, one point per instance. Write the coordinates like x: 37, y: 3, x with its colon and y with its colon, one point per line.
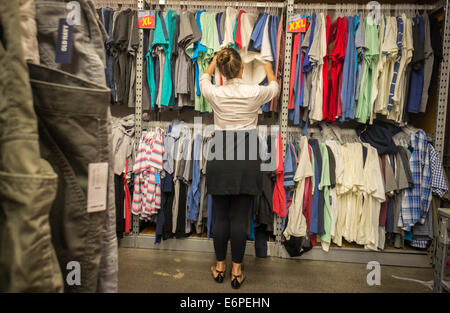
x: 369, y: 193
x: 370, y: 71
x: 182, y: 45
x: 29, y: 184
x: 78, y: 79
x: 177, y: 189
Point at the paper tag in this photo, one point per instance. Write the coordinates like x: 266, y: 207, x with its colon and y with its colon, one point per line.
x: 297, y: 23
x: 157, y: 178
x: 146, y: 19
x: 97, y: 187
x: 64, y: 44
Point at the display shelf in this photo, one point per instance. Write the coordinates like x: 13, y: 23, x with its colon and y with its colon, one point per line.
x: 397, y: 257
x: 187, y: 244
x: 410, y: 258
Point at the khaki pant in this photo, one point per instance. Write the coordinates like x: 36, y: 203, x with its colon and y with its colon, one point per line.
x: 44, y: 224
x: 74, y: 131
x: 27, y: 183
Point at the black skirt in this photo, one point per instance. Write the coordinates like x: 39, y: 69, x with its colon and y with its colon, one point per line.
x: 234, y: 164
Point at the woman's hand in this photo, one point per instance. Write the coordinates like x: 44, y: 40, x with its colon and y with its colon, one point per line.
x: 212, y: 66
x: 269, y: 72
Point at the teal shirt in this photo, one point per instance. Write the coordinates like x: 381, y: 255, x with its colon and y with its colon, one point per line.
x: 167, y: 44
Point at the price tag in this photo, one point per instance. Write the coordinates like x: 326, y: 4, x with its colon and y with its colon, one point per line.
x: 146, y: 19
x: 97, y: 187
x: 158, y: 178
x: 297, y: 23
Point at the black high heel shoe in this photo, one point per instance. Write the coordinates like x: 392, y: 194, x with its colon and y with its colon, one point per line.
x: 235, y: 283
x: 220, y: 274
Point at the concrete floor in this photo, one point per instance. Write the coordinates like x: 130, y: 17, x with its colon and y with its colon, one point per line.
x: 147, y: 270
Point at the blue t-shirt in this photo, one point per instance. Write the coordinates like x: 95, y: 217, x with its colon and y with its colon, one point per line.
x: 348, y: 76
x: 290, y: 167
x: 257, y: 33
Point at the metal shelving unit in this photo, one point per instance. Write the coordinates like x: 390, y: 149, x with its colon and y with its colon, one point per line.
x: 388, y: 257
x: 441, y: 276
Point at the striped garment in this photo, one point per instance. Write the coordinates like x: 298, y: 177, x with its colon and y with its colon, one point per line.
x: 438, y: 184
x: 147, y: 170
x: 417, y: 200
x: 397, y: 62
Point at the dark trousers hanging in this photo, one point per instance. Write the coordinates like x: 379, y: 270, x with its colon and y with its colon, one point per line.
x: 181, y: 219
x: 120, y: 198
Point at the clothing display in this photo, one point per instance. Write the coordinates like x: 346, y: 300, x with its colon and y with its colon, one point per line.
x: 176, y: 65
x: 173, y: 173
x: 391, y: 197
x: 339, y: 150
x: 364, y: 69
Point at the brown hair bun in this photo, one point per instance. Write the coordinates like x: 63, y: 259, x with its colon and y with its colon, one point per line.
x: 229, y: 63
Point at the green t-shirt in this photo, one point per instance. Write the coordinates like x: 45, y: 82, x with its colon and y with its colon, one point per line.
x: 372, y: 43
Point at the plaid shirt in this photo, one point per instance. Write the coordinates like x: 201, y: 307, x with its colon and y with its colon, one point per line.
x: 438, y: 184
x: 416, y: 200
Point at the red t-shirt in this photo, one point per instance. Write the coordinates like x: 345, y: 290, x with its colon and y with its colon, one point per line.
x: 238, y: 39
x: 278, y: 192
x: 325, y: 72
x: 337, y: 37
x: 293, y: 68
x: 344, y: 36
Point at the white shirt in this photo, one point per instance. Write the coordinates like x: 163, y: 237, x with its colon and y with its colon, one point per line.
x: 254, y: 72
x: 236, y: 104
x: 296, y: 225
x: 230, y: 18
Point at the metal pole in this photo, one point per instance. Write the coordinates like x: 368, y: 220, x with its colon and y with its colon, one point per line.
x: 138, y: 107
x: 443, y: 86
x: 284, y: 107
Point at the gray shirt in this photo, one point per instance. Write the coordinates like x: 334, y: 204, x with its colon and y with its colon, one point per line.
x: 360, y: 44
x: 428, y: 64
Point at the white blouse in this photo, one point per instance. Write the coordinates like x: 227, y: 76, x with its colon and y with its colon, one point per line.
x: 236, y: 104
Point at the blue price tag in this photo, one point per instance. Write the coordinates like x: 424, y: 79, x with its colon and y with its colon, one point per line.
x: 64, y: 44
x: 157, y: 178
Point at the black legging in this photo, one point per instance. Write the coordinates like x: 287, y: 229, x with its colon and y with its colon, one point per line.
x: 232, y: 213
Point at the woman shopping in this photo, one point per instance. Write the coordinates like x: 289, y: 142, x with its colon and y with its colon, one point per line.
x: 234, y: 174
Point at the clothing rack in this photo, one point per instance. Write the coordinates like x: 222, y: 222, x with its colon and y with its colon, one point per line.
x: 439, y: 136
x: 115, y: 4
x: 387, y: 257
x: 361, y: 7
x: 239, y: 4
x: 165, y: 125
